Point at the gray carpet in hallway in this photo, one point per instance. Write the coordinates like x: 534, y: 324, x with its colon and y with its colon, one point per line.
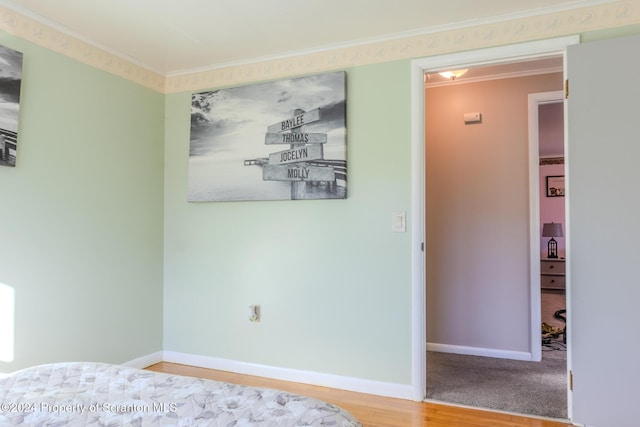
x: 532, y: 388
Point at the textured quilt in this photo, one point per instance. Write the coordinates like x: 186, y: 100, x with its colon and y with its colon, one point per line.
x: 95, y: 394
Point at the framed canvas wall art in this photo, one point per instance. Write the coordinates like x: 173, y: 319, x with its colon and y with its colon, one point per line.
x: 280, y: 140
x: 10, y: 83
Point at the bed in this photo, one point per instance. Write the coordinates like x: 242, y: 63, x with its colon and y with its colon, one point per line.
x: 98, y: 394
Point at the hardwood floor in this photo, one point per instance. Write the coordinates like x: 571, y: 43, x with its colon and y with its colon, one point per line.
x: 371, y: 410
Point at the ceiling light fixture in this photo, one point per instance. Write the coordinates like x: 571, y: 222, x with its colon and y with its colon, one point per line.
x: 452, y: 75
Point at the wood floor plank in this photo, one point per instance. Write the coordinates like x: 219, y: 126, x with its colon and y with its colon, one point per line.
x: 371, y: 410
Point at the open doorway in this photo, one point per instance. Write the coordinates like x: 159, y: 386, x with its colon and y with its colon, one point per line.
x: 483, y: 292
x: 547, y: 117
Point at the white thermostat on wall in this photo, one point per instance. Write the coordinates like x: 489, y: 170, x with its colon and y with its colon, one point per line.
x: 472, y: 117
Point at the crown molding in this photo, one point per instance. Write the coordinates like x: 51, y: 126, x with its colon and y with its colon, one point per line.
x: 57, y: 40
x: 351, y: 44
x: 497, y: 31
x: 545, y: 161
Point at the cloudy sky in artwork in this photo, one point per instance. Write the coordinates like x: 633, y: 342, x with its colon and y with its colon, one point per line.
x: 232, y: 122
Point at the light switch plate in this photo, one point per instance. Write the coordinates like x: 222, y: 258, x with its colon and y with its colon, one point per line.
x: 399, y: 222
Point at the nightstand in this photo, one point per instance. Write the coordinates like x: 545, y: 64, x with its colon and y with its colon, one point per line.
x: 552, y: 273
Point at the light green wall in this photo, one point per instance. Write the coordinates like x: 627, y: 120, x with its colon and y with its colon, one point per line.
x: 610, y: 33
x: 81, y: 214
x: 333, y: 281
x: 81, y: 234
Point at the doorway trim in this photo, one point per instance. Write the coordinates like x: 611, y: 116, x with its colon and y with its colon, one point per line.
x: 535, y: 100
x: 489, y: 56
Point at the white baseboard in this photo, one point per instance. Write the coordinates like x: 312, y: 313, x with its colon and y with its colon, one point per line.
x: 479, y: 351
x: 400, y: 391
x: 144, y: 361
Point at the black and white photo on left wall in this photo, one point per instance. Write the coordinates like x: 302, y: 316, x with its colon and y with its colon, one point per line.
x: 10, y: 83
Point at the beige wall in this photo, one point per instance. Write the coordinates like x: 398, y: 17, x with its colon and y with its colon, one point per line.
x: 478, y: 213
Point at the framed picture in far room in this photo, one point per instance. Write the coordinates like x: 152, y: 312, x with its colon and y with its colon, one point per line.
x: 555, y: 186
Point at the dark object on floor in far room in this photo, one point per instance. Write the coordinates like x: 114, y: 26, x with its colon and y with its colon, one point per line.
x: 562, y: 315
x: 551, y: 340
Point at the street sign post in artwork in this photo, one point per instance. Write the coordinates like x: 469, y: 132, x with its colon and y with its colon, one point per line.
x: 295, y: 138
x: 303, y: 153
x: 297, y: 173
x: 297, y: 120
x: 291, y: 165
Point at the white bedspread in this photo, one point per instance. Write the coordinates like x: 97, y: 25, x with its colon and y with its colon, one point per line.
x: 95, y: 394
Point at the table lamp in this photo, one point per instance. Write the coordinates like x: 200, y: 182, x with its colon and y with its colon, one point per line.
x: 552, y: 229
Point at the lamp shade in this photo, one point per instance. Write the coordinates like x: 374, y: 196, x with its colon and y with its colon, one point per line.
x: 552, y: 229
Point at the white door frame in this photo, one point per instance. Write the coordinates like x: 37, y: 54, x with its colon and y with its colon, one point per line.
x: 503, y: 54
x: 535, y: 100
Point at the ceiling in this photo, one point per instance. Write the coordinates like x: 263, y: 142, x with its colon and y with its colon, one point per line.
x: 173, y: 37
